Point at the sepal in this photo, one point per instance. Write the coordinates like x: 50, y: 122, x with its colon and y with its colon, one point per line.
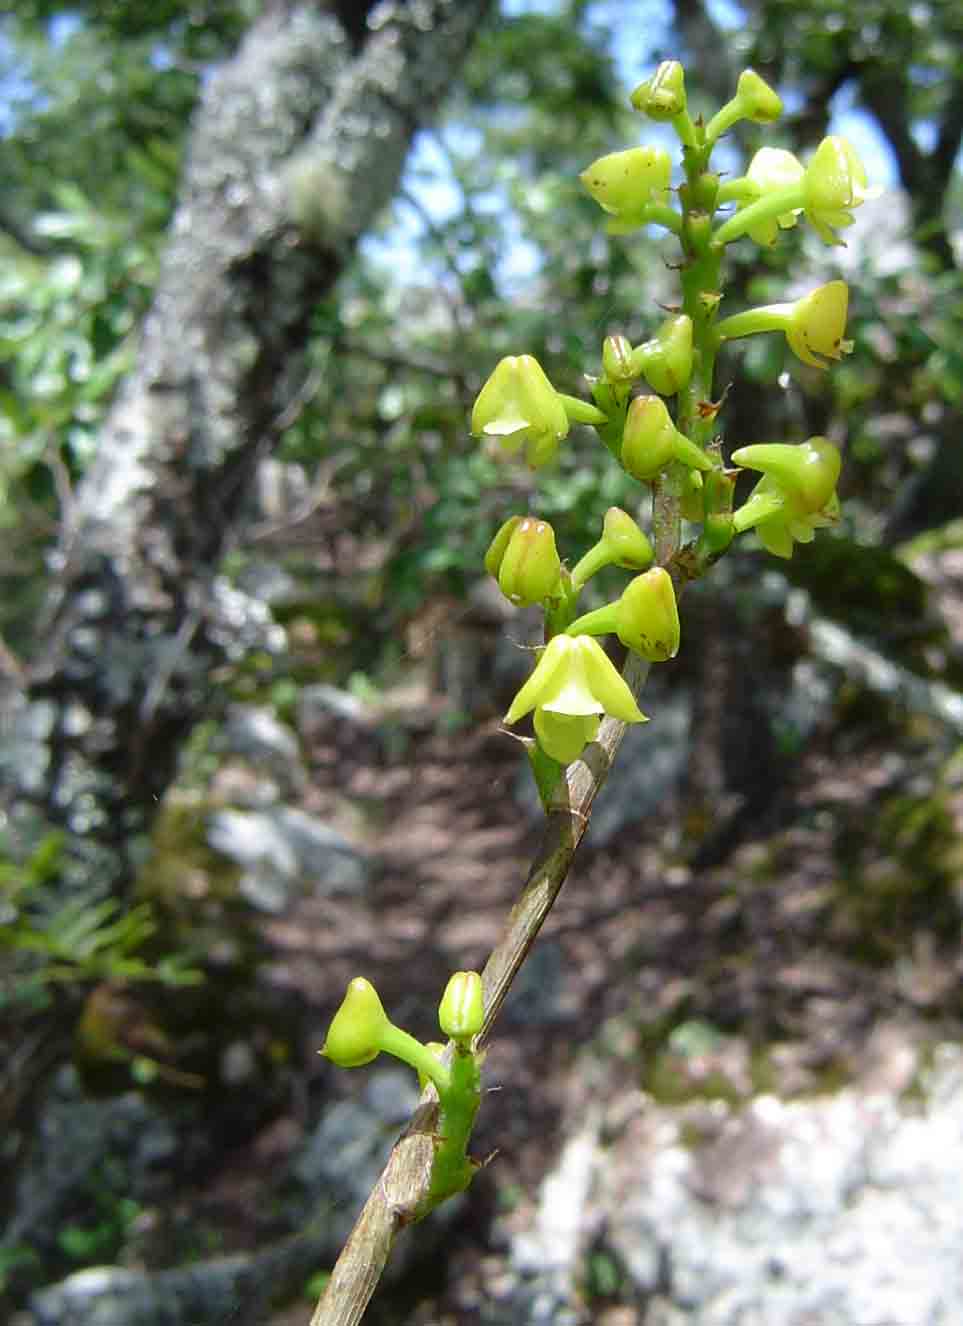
x: 517, y: 407
x: 575, y: 676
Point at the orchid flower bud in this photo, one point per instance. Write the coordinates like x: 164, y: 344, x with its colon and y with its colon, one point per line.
x: 645, y: 618
x: 666, y: 360
x: 617, y: 360
x: 361, y: 1030
x: 575, y: 676
x: 759, y: 102
x: 795, y: 496
x: 564, y: 736
x: 628, y: 547
x: 835, y: 182
x: 622, y: 544
x: 525, y: 561
x: 648, y: 616
x: 355, y: 1036
x: 754, y: 100
x: 650, y: 440
x: 625, y: 183
x: 662, y: 97
x: 518, y: 406
x: 461, y: 1012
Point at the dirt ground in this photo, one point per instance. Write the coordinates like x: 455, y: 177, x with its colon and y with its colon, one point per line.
x: 765, y: 948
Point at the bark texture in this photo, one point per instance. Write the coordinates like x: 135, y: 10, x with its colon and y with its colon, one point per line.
x: 298, y: 142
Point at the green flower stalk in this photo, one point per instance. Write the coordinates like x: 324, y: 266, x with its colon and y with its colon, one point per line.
x: 796, y: 495
x: 361, y: 1030
x: 622, y: 544
x: 814, y: 325
x: 754, y: 100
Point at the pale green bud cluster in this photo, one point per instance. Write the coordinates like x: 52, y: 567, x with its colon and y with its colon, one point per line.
x: 652, y: 404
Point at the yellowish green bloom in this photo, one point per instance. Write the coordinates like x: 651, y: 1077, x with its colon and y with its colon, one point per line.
x: 517, y: 407
x: 575, y: 676
x: 774, y: 168
x: 835, y: 183
x: 355, y: 1036
x: 627, y: 184
x: 796, y: 494
x: 622, y: 544
x: 650, y: 440
x: 814, y: 325
x: 666, y: 359
x: 645, y: 617
x: 662, y: 97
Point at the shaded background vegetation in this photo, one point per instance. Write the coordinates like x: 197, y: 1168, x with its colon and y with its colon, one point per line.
x: 361, y: 514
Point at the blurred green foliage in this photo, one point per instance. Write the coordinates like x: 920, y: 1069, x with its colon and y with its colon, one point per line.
x: 49, y: 940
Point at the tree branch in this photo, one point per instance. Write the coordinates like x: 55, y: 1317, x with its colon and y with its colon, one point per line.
x: 297, y: 144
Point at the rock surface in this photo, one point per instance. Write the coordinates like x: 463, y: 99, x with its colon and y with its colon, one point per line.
x: 840, y: 1210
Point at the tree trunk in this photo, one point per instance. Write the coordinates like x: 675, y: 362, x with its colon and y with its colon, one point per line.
x: 297, y: 143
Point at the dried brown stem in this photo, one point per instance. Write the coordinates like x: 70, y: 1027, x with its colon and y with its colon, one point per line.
x: 403, y: 1186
